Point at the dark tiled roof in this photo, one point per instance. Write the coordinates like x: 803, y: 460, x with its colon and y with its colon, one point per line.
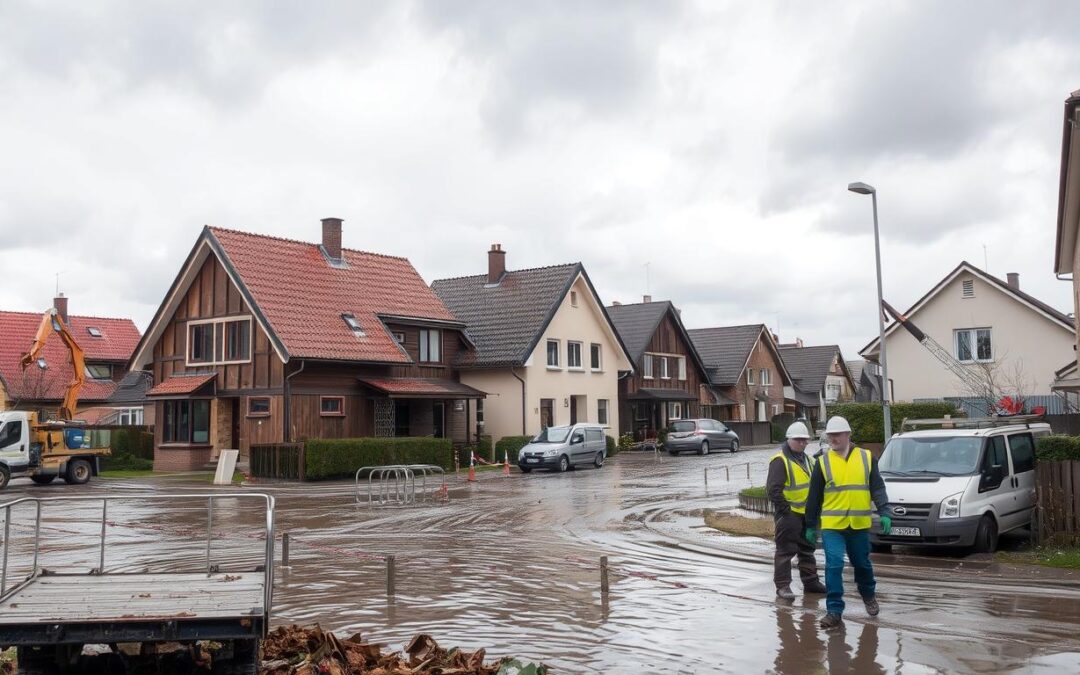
x: 132, y: 389
x: 652, y: 394
x: 809, y: 366
x: 420, y: 386
x: 719, y: 397
x: 637, y: 323
x: 505, y: 320
x: 725, y: 350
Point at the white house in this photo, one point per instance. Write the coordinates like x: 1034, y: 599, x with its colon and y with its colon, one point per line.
x: 987, y: 324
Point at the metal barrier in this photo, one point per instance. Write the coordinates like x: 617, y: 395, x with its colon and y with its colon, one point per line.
x: 396, y: 484
x: 268, y: 562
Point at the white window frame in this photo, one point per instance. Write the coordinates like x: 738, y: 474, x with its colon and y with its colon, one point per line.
x: 130, y: 417
x: 973, y: 344
x: 213, y: 347
x: 558, y: 354
x: 647, y: 366
x: 599, y: 367
x: 665, y: 372
x: 427, y: 343
x: 675, y: 410
x: 766, y: 377
x: 570, y: 345
x: 750, y: 376
x: 682, y: 368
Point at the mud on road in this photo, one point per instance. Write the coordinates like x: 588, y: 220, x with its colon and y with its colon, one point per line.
x: 511, y: 564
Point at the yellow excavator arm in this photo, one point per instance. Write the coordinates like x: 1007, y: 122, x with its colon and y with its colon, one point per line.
x: 52, y: 323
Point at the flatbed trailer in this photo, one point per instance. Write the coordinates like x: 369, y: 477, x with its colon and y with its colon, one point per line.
x: 50, y: 616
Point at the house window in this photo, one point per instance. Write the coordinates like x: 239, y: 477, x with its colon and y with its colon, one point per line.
x: 573, y: 355
x: 547, y: 412
x: 974, y: 345
x: 353, y: 324
x: 601, y: 410
x: 399, y: 337
x: 775, y: 409
x: 480, y: 411
x: 682, y: 369
x: 969, y: 288
x: 664, y: 375
x: 594, y: 356
x: 749, y: 375
x: 186, y: 422
x: 675, y: 410
x: 766, y: 377
x: 332, y: 406
x: 99, y: 371
x: 131, y: 417
x: 259, y: 406
x: 742, y: 411
x: 219, y: 341
x: 430, y: 345
x: 553, y: 353
x: 573, y: 298
x: 646, y: 366
x: 94, y: 332
x: 832, y: 393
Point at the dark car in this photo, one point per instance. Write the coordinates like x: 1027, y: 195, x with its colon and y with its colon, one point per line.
x: 700, y: 436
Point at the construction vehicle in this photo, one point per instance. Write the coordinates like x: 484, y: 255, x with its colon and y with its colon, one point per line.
x: 997, y: 402
x: 43, y: 449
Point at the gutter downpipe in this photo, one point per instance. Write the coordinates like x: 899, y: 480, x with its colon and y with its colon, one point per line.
x: 286, y: 436
x: 522, y: 381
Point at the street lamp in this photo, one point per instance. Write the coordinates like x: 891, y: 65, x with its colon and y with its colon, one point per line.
x: 864, y: 189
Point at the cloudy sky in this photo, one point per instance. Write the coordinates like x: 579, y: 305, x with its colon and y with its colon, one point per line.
x: 700, y: 151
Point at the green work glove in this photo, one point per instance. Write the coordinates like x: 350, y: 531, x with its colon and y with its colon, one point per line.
x: 811, y: 536
x: 886, y: 524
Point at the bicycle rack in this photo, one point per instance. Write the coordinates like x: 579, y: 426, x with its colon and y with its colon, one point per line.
x: 396, y: 484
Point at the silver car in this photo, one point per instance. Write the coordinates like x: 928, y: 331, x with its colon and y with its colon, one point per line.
x: 561, y: 448
x: 700, y: 436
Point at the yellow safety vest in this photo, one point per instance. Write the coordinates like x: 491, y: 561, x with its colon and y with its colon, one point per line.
x: 797, y: 487
x: 847, y: 490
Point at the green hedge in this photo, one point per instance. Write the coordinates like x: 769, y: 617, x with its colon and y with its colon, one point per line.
x: 126, y: 463
x: 866, y: 418
x: 134, y: 442
x: 341, y: 457
x: 612, y: 446
x: 1053, y: 448
x: 511, y: 445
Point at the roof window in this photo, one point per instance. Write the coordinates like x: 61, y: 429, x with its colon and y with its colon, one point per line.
x: 94, y: 332
x: 353, y: 324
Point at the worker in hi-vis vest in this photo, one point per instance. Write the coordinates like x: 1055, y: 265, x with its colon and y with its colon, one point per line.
x: 788, y: 486
x: 844, y: 482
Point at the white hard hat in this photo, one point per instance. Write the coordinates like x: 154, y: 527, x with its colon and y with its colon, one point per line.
x: 837, y: 425
x: 798, y: 430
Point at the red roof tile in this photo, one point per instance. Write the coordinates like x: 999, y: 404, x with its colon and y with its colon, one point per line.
x: 303, y: 297
x: 181, y: 384
x: 17, y: 329
x: 419, y: 386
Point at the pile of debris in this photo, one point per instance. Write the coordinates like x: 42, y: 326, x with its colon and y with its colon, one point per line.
x: 311, y: 651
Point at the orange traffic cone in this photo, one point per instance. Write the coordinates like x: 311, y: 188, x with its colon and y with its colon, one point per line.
x: 472, y: 468
x: 506, y: 464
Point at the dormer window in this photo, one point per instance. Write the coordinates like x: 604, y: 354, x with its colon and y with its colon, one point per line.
x: 353, y: 324
x: 99, y: 371
x: 94, y: 332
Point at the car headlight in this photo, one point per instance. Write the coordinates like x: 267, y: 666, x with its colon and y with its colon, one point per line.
x: 550, y: 453
x: 950, y: 506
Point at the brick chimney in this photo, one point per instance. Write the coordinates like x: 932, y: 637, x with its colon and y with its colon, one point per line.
x: 1014, y: 280
x: 646, y: 298
x: 331, y: 237
x: 61, y: 305
x: 616, y: 303
x: 496, y: 264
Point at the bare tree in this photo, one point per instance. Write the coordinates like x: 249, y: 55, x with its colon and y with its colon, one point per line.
x: 990, y: 382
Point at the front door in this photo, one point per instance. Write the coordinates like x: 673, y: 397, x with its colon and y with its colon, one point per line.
x: 547, y: 412
x: 439, y: 413
x: 234, y: 442
x: 573, y: 409
x: 761, y: 414
x: 402, y: 419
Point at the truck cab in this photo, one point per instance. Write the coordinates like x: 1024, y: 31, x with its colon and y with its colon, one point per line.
x: 14, y: 445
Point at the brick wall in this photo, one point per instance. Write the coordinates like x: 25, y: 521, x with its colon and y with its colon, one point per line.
x: 180, y: 459
x: 761, y: 358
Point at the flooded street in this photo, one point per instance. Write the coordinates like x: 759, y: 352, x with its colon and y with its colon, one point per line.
x: 512, y: 564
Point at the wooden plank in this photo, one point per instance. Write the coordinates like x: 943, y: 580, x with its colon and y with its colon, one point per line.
x: 1075, y: 502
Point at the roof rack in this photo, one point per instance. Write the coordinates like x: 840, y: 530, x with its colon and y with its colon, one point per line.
x: 970, y: 422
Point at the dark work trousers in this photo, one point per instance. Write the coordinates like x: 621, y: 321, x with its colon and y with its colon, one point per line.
x: 790, y: 542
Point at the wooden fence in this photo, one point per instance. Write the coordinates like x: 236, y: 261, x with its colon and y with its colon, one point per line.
x: 278, y: 460
x: 752, y: 433
x: 1068, y: 424
x: 1058, y: 502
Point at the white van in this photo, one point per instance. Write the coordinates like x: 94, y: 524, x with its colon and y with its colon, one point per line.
x: 961, y: 484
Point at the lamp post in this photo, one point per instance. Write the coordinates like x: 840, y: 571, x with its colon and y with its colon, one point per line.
x: 864, y: 189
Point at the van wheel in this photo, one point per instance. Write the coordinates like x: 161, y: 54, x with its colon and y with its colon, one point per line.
x: 525, y: 469
x: 734, y: 446
x: 599, y: 461
x: 78, y: 472
x: 986, y: 537
x: 43, y: 479
x: 5, y: 477
x: 564, y: 464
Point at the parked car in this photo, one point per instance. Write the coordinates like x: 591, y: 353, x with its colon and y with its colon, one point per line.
x: 959, y: 487
x: 700, y: 436
x: 564, y: 447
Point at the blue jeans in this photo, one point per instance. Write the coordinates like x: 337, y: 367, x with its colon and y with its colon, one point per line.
x: 857, y: 545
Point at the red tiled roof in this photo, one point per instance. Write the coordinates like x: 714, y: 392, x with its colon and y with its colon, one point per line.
x: 17, y: 330
x: 303, y: 297
x: 181, y: 384
x: 419, y: 386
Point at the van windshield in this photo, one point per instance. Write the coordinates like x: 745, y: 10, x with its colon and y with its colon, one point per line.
x: 552, y: 435
x: 949, y: 456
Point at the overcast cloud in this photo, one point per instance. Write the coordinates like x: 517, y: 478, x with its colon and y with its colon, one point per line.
x: 699, y: 151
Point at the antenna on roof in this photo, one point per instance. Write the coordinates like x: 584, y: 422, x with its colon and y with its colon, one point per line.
x: 647, y: 290
x: 986, y: 261
x: 58, y: 282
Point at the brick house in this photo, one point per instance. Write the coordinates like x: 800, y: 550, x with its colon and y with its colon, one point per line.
x: 821, y: 377
x: 747, y: 375
x: 265, y: 340
x: 668, y: 374
x: 107, y: 344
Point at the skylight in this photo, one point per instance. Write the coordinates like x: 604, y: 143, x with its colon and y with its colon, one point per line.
x: 353, y: 324
x: 94, y: 332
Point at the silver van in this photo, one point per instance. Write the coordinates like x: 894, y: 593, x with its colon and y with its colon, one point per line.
x: 560, y: 448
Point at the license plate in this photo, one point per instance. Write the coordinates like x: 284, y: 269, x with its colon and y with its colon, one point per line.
x: 532, y: 460
x: 905, y: 532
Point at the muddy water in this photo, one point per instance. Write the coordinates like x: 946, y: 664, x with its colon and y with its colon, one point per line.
x: 512, y: 565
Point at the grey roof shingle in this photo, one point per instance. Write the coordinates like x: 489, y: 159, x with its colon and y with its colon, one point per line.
x: 505, y: 320
x: 637, y: 323
x: 725, y: 350
x: 132, y: 388
x: 809, y: 366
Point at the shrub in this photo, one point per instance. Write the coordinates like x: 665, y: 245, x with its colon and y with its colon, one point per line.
x: 661, y: 435
x: 486, y: 449
x: 134, y: 442
x: 612, y: 446
x: 126, y: 463
x: 341, y: 457
x: 778, y: 431
x: 511, y: 445
x: 866, y: 418
x: 1056, y: 448
x: 626, y: 442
